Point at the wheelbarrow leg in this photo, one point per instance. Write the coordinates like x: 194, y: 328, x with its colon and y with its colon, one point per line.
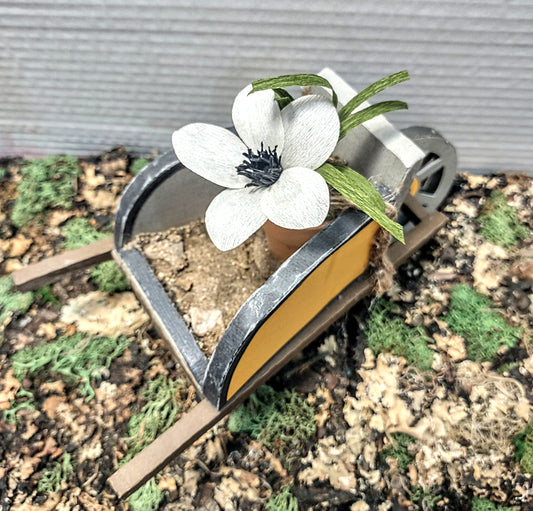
x: 48, y: 270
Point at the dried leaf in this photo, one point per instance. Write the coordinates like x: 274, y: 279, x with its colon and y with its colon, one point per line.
x: 106, y: 315
x: 10, y: 387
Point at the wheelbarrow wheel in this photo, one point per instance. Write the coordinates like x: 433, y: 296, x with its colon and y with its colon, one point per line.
x: 438, y: 168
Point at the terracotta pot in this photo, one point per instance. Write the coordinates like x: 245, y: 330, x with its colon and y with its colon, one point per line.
x: 284, y: 242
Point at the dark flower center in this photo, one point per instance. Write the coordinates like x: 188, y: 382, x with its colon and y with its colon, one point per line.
x: 262, y: 168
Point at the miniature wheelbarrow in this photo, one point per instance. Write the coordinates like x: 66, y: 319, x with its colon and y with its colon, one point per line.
x: 309, y: 291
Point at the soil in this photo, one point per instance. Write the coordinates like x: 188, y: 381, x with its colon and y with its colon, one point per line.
x: 206, y: 285
x: 462, y: 416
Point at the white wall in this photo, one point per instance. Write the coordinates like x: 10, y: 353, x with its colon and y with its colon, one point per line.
x: 82, y: 76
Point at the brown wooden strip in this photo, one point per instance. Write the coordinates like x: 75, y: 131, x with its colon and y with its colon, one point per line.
x: 415, y: 207
x: 50, y: 269
x: 417, y: 237
x: 174, y: 440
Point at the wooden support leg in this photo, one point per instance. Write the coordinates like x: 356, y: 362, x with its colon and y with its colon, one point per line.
x: 50, y: 269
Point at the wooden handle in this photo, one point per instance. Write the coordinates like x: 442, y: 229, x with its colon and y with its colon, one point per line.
x: 174, y: 440
x: 50, y: 269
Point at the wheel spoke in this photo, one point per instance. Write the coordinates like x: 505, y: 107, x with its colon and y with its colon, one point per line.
x: 437, y: 175
x: 429, y: 169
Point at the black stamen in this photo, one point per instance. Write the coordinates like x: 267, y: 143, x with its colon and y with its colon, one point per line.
x: 262, y: 168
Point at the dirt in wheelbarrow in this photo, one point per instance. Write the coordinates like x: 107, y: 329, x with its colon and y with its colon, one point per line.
x: 419, y: 400
x: 206, y: 285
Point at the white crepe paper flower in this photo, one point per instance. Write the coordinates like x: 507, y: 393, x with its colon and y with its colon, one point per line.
x: 268, y: 168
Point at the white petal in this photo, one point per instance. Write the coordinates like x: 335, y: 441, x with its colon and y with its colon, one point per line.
x: 311, y: 126
x: 233, y: 216
x: 211, y: 152
x: 297, y: 200
x: 257, y: 119
x: 324, y: 92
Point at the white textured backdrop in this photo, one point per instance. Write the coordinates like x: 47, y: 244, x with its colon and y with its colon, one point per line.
x: 84, y: 76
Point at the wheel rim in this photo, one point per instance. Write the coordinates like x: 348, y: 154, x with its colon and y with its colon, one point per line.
x: 438, y: 168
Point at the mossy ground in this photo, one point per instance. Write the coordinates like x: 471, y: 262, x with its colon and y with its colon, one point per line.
x: 77, y: 359
x: 79, y: 232
x: 147, y: 357
x: 472, y: 316
x: 524, y: 448
x: 500, y: 223
x: 147, y: 498
x: 12, y: 301
x: 399, y: 450
x: 24, y: 400
x: 486, y: 505
x: 283, y: 501
x: 280, y: 420
x: 109, y: 278
x: 45, y: 184
x: 387, y: 332
x: 46, y: 295
x: 425, y: 498
x: 138, y: 164
x: 163, y: 402
x: 53, y: 477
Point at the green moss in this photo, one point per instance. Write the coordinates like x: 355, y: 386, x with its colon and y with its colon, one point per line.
x: 164, y: 399
x: 79, y: 232
x: 45, y: 295
x: 146, y: 498
x: 24, y: 400
x: 508, y: 367
x: 472, y: 316
x: 109, y: 278
x: 45, y: 184
x: 52, y: 478
x: 387, y: 333
x: 283, y: 501
x: 399, y: 450
x: 138, y: 164
x: 279, y: 419
x: 500, y: 222
x: 76, y: 358
x: 486, y: 505
x: 12, y: 301
x: 3, y: 172
x: 524, y: 448
x: 426, y: 498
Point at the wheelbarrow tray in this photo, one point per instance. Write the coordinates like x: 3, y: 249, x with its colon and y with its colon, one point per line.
x: 204, y: 415
x: 166, y: 194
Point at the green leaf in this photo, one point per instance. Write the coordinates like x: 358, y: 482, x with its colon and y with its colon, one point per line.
x: 360, y: 191
x: 372, y: 90
x: 282, y: 97
x: 354, y: 120
x: 303, y: 80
